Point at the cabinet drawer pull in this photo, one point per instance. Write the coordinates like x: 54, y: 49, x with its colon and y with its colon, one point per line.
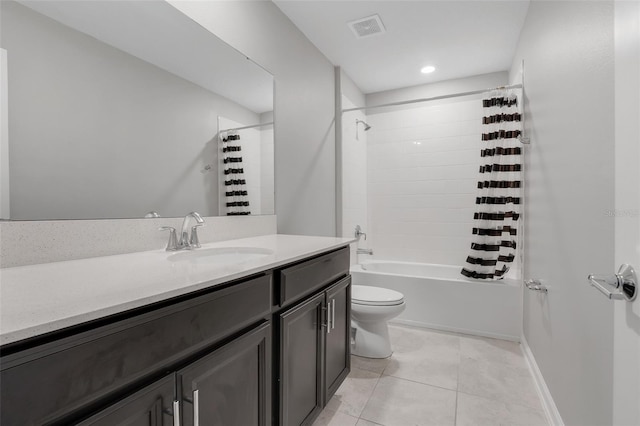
x: 333, y: 314
x: 196, y: 409
x: 176, y: 413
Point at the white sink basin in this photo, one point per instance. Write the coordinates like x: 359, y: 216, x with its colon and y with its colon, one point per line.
x: 220, y: 255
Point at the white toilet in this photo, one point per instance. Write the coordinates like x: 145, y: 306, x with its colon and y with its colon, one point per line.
x: 371, y: 308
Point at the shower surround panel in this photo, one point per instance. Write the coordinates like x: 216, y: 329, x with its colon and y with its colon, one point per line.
x: 422, y: 175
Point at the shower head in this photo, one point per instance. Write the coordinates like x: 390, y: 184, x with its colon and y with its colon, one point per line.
x: 366, y: 126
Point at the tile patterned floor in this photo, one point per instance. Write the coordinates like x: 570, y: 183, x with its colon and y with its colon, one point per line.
x: 440, y: 379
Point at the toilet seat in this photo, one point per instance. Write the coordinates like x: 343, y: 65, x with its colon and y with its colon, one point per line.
x: 375, y: 296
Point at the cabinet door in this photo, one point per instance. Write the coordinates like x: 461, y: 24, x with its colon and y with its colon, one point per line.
x: 231, y: 386
x: 301, y: 357
x: 151, y: 406
x: 338, y: 347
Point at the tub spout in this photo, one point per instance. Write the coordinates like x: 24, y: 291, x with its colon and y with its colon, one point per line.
x: 364, y: 251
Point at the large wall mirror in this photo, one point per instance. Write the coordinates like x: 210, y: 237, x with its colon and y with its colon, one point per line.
x: 127, y: 109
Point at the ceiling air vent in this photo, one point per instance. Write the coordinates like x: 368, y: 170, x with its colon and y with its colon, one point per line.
x: 367, y: 27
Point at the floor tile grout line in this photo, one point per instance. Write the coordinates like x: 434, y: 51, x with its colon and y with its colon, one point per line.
x: 455, y: 411
x: 501, y: 400
x: 420, y: 383
x: 369, y: 421
x: 364, y: 369
x: 459, y: 334
x: 369, y: 399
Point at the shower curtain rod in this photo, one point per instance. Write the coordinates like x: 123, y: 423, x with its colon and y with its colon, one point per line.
x: 247, y: 127
x: 435, y: 98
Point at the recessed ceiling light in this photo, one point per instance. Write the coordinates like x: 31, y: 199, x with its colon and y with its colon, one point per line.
x: 428, y: 69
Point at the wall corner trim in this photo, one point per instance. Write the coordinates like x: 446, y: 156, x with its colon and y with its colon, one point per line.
x: 548, y: 404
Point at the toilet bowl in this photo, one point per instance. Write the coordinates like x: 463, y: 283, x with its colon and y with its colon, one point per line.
x: 371, y: 308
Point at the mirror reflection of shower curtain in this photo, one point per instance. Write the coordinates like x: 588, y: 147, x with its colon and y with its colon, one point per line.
x: 498, y: 197
x: 235, y: 184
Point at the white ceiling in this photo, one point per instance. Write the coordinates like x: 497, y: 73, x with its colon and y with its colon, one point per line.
x: 460, y: 38
x: 158, y: 33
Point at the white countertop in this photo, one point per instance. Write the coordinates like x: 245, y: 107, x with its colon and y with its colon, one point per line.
x: 38, y: 299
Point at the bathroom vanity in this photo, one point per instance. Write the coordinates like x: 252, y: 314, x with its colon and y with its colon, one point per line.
x: 263, y: 341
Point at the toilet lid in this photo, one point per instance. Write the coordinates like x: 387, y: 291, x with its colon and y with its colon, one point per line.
x: 367, y: 295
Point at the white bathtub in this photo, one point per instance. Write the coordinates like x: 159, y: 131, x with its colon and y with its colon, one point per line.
x: 438, y: 296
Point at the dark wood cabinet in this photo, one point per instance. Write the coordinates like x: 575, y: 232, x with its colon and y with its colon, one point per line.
x: 254, y: 351
x: 314, y: 353
x: 68, y: 378
x: 54, y: 381
x: 231, y: 386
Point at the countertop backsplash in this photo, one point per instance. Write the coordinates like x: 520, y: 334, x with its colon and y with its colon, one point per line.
x: 33, y: 242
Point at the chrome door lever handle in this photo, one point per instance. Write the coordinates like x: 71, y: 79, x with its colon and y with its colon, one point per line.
x: 624, y: 283
x: 599, y: 283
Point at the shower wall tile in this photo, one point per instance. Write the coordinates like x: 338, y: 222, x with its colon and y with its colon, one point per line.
x: 412, y: 201
x: 444, y: 186
x: 421, y: 179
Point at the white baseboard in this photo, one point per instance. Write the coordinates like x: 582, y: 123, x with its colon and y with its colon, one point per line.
x: 548, y: 405
x: 418, y: 324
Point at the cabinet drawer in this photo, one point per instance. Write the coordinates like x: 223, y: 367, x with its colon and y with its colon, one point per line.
x: 151, y: 406
x: 45, y: 383
x: 304, y: 278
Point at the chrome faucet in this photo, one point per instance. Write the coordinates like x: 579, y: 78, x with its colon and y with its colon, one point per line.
x: 186, y: 241
x: 192, y: 242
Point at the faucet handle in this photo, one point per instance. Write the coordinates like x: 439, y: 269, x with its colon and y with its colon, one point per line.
x: 359, y: 233
x: 172, y: 244
x: 194, y: 241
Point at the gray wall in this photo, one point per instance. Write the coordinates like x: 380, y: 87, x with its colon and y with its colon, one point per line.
x: 304, y: 107
x: 627, y: 151
x: 97, y: 133
x: 4, y: 138
x: 351, y: 91
x: 440, y: 88
x: 567, y: 49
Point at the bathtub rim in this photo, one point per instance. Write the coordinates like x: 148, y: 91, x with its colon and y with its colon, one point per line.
x: 507, y: 281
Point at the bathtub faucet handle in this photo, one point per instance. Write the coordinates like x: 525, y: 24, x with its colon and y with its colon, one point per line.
x: 535, y: 285
x: 359, y: 232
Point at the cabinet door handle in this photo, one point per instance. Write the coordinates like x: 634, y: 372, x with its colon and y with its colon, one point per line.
x: 176, y: 413
x: 196, y: 408
x: 328, y: 317
x: 333, y: 314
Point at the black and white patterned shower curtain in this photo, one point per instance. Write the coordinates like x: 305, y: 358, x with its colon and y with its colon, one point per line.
x: 498, y: 196
x: 235, y: 184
